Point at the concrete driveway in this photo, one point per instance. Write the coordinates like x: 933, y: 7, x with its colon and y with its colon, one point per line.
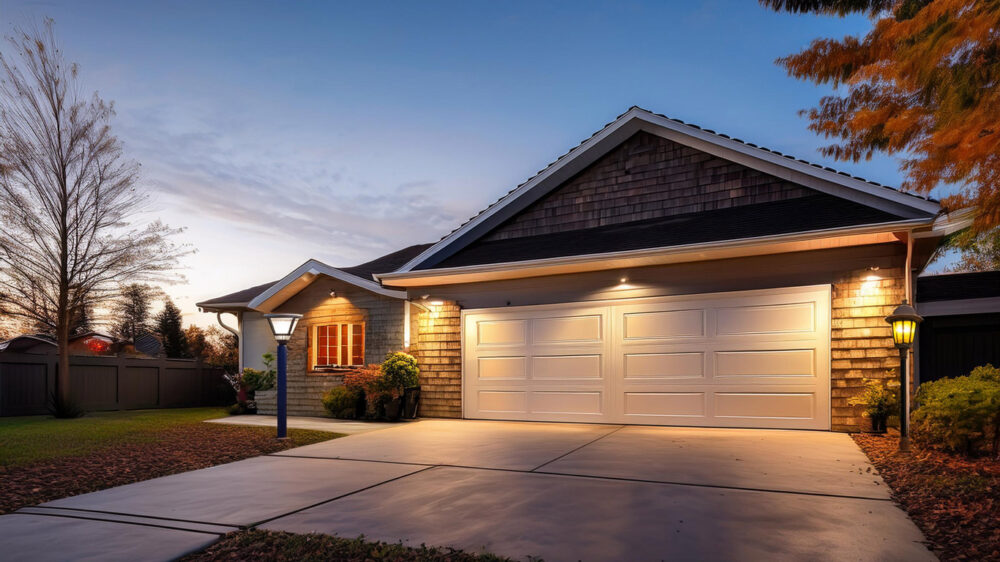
x: 555, y: 491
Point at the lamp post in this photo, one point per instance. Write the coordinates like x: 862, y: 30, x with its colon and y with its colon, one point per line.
x: 282, y: 326
x: 904, y: 322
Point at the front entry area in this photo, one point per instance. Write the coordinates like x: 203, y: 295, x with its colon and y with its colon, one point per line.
x: 758, y: 359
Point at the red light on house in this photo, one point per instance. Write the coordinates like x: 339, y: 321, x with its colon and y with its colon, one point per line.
x: 97, y: 346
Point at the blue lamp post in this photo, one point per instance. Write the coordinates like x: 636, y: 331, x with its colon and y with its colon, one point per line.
x: 282, y: 326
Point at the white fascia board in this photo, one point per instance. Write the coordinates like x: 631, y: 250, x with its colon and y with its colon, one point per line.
x: 689, y: 252
x: 636, y: 119
x: 314, y: 268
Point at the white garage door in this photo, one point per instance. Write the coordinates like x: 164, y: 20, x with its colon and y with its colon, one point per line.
x: 743, y: 359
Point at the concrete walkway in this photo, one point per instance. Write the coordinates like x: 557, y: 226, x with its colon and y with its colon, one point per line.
x: 345, y: 427
x: 555, y: 491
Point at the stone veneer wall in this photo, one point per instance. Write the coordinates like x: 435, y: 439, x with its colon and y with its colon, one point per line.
x: 437, y: 345
x: 861, y: 341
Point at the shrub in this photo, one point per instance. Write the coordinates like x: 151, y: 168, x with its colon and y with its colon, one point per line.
x: 341, y: 402
x: 880, y: 397
x: 400, y: 370
x: 960, y: 414
x: 254, y: 380
x: 365, y: 378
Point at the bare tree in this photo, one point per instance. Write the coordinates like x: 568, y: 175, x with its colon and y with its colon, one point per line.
x: 68, y: 197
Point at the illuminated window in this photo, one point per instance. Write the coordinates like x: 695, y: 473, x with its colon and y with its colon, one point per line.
x: 338, y: 345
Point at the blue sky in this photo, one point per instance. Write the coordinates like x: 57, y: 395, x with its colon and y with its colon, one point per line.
x: 276, y: 132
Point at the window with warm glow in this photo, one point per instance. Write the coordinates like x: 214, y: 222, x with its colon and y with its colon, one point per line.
x: 338, y: 345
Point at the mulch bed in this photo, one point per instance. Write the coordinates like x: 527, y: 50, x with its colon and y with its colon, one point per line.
x: 280, y: 546
x: 177, y: 449
x: 955, y: 501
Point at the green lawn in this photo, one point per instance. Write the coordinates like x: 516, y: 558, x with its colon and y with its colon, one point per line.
x: 34, y: 438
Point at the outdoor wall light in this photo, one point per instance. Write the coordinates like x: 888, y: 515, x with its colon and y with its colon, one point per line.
x: 282, y: 326
x: 904, y: 322
x: 623, y: 280
x: 333, y: 294
x: 436, y: 303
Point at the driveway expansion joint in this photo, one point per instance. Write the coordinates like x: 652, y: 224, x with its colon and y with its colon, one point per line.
x: 96, y: 512
x: 351, y: 493
x: 587, y: 444
x: 136, y: 520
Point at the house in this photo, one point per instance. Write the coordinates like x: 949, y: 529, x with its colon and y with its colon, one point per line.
x: 658, y: 273
x: 961, y: 327
x: 89, y: 343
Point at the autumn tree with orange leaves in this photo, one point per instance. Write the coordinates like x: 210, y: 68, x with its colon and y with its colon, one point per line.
x: 923, y: 84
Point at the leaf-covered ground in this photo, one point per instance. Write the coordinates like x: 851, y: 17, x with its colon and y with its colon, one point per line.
x: 955, y: 501
x: 280, y: 546
x: 46, y: 459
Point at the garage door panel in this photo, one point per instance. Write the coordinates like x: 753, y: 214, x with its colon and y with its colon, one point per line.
x: 567, y: 329
x: 664, y: 324
x: 766, y: 363
x: 767, y: 319
x: 566, y: 367
x: 666, y: 404
x: 566, y: 402
x: 669, y: 365
x: 500, y: 368
x: 765, y: 405
x: 746, y: 359
x: 503, y: 401
x: 501, y: 332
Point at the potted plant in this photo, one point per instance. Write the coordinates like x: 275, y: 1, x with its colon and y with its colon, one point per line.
x: 401, y: 381
x: 880, y: 399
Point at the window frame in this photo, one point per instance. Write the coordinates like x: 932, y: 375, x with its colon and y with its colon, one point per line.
x: 351, y: 352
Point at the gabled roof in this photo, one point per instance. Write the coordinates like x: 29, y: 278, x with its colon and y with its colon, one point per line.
x: 358, y: 275
x: 905, y: 206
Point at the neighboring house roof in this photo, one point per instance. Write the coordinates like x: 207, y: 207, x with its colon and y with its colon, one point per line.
x: 266, y: 295
x: 819, y: 211
x: 27, y: 341
x: 148, y: 344
x: 904, y: 206
x: 958, y: 293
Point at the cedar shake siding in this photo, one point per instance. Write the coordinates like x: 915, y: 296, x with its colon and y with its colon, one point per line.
x: 437, y: 345
x: 646, y: 177
x: 384, y: 323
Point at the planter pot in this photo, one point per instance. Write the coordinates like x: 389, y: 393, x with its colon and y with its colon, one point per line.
x: 393, y: 409
x: 878, y: 424
x: 411, y: 400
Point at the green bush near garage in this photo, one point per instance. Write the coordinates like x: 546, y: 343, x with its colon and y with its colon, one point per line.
x: 961, y: 414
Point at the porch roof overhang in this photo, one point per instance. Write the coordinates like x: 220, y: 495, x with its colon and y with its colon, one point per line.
x: 890, y: 232
x: 305, y: 274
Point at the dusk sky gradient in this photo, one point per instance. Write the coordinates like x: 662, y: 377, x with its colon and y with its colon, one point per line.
x: 278, y: 132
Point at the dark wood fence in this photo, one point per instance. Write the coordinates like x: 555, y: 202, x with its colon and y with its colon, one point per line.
x: 109, y: 383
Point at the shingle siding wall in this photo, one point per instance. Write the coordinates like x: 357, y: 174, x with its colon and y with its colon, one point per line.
x: 646, y: 177
x: 861, y: 341
x: 384, y: 324
x: 437, y: 346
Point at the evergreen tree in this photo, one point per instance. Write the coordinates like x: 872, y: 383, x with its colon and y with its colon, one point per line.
x: 131, y: 312
x: 168, y: 327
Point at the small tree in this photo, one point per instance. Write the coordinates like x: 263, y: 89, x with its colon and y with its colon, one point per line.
x: 131, y: 312
x: 68, y: 197
x: 168, y: 327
